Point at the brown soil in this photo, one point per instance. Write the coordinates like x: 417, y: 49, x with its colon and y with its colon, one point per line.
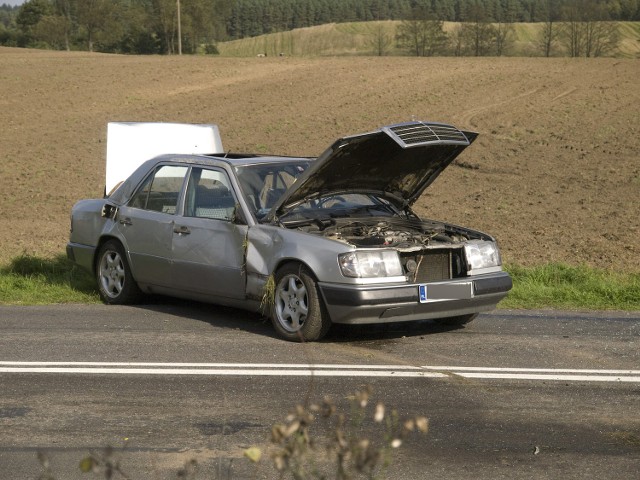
x: 554, y: 175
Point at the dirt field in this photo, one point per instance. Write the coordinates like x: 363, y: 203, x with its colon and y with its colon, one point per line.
x: 555, y: 175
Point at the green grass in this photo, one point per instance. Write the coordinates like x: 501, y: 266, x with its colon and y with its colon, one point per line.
x: 31, y: 280
x: 568, y: 287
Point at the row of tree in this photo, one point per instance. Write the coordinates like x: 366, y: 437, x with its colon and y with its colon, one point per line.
x: 250, y: 18
x: 577, y: 28
x: 151, y: 26
x: 121, y: 26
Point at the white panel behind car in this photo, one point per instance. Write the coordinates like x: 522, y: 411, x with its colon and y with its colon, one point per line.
x: 129, y: 144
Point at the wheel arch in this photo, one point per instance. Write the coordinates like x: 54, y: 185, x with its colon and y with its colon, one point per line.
x: 104, y: 239
x: 291, y: 260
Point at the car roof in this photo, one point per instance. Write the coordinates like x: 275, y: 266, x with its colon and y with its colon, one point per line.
x: 233, y: 159
x: 122, y: 192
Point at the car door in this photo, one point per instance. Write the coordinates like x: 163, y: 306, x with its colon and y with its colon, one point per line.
x: 208, y: 244
x: 147, y: 223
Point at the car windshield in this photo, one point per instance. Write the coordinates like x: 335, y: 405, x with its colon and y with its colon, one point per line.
x: 263, y: 184
x: 342, y: 205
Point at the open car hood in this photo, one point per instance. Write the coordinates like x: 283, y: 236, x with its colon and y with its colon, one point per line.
x: 398, y: 161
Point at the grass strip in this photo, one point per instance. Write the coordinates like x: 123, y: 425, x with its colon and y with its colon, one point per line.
x: 32, y: 280
x: 562, y: 286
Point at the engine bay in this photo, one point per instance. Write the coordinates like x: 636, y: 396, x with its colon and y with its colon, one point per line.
x: 404, y: 235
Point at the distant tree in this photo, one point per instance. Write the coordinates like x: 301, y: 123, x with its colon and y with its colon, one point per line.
x: 477, y: 31
x: 457, y: 40
x: 445, y: 10
x: 137, y: 34
x: 200, y: 25
x: 503, y: 36
x: 422, y: 33
x: 381, y: 9
x: 64, y: 25
x: 586, y: 29
x: 603, y: 38
x: 9, y: 34
x: 503, y: 28
x: 572, y: 32
x: 100, y: 19
x: 601, y: 34
x: 30, y: 13
x: 8, y: 17
x: 52, y: 29
x: 220, y: 12
x: 164, y: 14
x: 629, y: 10
x: 380, y: 39
x: 549, y: 33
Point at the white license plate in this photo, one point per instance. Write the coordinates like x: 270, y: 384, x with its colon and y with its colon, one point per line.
x: 445, y: 291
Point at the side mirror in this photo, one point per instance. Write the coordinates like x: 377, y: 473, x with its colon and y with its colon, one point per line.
x: 109, y: 211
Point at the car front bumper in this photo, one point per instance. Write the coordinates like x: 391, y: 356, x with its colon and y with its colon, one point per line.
x: 361, y: 304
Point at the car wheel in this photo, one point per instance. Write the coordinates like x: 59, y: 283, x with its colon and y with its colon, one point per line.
x: 456, y: 321
x: 115, y: 282
x: 298, y: 313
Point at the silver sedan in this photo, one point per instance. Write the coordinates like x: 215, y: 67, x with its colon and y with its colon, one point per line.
x: 308, y: 241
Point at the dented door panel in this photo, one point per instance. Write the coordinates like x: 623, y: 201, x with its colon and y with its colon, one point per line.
x: 208, y: 257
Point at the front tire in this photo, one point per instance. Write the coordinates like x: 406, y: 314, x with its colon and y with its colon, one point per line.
x: 115, y: 281
x: 298, y: 313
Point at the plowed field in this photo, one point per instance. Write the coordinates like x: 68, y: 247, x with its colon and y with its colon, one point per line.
x: 555, y: 174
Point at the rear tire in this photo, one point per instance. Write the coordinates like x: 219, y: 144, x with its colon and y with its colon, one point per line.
x: 456, y: 321
x: 298, y: 313
x: 115, y: 281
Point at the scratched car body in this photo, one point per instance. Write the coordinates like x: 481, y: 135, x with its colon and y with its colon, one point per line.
x: 309, y: 241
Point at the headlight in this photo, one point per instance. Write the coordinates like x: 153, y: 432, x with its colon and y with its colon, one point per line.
x: 482, y: 254
x: 370, y: 264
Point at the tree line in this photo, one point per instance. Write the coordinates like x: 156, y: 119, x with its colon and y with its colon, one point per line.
x: 577, y: 28
x: 581, y: 27
x: 117, y: 26
x: 250, y: 18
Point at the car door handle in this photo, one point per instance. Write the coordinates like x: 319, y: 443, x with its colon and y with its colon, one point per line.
x: 181, y: 230
x: 125, y: 221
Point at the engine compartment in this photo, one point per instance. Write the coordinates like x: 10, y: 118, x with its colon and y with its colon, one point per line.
x: 429, y: 251
x: 403, y: 235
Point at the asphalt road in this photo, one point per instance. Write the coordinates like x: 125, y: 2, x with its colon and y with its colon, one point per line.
x: 513, y: 395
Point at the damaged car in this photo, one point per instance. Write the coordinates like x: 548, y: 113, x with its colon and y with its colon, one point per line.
x: 308, y: 241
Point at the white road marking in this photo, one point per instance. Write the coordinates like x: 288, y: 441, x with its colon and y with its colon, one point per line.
x: 221, y: 372
x: 322, y: 370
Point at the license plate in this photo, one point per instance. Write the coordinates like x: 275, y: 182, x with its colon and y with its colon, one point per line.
x: 445, y: 291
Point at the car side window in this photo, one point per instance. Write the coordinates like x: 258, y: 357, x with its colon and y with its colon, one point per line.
x: 209, y: 195
x: 160, y: 190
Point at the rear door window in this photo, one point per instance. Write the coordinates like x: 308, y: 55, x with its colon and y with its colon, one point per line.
x: 161, y: 190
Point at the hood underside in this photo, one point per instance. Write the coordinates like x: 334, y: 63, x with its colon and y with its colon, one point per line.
x: 399, y: 161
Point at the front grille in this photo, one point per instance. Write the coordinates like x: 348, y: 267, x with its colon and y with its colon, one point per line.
x: 418, y: 133
x: 433, y: 265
